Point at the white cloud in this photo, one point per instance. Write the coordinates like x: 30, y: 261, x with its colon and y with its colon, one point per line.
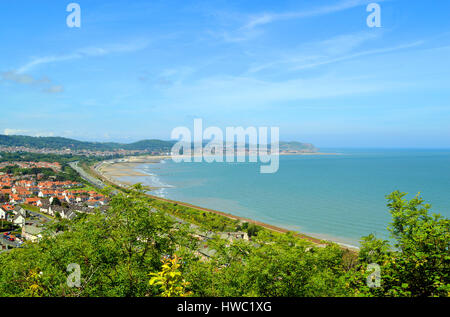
x: 14, y: 132
x: 26, y: 132
x: 84, y: 52
x: 319, y: 53
x: 29, y: 80
x: 54, y: 89
x: 266, y: 18
x: 357, y: 55
x: 250, y: 28
x: 236, y: 93
x: 23, y: 78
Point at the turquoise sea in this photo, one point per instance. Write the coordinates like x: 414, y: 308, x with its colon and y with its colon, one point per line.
x: 337, y: 197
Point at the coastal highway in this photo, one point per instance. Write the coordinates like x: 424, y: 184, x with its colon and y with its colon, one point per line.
x: 95, y: 181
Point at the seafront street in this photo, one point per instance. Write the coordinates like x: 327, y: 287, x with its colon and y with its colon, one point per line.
x: 94, y: 181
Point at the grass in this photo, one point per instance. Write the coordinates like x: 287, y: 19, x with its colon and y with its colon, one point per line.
x: 86, y: 188
x: 36, y: 210
x: 31, y: 208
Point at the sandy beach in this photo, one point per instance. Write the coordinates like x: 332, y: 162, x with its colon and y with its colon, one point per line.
x: 113, y: 169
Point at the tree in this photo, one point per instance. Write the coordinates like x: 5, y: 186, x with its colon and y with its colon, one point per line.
x: 252, y: 230
x: 56, y: 201
x: 170, y: 280
x: 115, y: 250
x: 418, y: 264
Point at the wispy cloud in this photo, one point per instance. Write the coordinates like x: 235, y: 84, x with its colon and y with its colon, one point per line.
x: 336, y: 49
x: 250, y: 29
x: 317, y: 51
x: 83, y: 52
x: 54, y: 89
x: 266, y: 18
x: 235, y: 93
x: 28, y: 80
x: 16, y: 77
x: 359, y: 54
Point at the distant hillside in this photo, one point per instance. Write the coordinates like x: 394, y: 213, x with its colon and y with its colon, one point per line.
x: 59, y: 143
x: 298, y: 147
x: 148, y: 145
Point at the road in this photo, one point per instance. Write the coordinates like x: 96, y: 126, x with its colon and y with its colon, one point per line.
x: 13, y: 244
x: 94, y: 181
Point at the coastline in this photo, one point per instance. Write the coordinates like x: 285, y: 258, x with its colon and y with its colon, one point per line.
x: 109, y: 171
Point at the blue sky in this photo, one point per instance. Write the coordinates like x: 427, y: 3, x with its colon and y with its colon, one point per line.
x: 138, y: 69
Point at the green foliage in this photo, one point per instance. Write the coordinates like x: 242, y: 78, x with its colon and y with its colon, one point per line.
x: 119, y: 249
x: 270, y: 266
x: 252, y: 230
x: 66, y: 174
x: 56, y: 201
x: 170, y: 280
x: 419, y: 262
x: 115, y: 250
x: 206, y: 220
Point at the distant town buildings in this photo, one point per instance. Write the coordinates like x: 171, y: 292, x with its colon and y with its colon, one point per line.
x: 22, y: 196
x: 118, y: 152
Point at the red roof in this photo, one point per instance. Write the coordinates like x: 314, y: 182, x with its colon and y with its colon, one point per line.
x: 31, y: 200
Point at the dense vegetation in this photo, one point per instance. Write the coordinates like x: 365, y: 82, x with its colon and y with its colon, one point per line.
x: 136, y: 249
x: 40, y: 157
x: 59, y: 143
x: 206, y: 220
x: 66, y: 173
x: 37, y: 157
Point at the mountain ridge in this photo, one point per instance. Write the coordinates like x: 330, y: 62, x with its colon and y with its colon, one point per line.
x: 61, y: 143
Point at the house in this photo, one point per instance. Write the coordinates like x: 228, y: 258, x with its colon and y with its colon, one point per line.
x: 81, y: 198
x: 68, y: 214
x: 44, y: 205
x: 2, y: 214
x: 6, y: 191
x: 232, y: 236
x: 19, y: 211
x: 16, y: 199
x: 19, y: 220
x: 70, y: 198
x: 7, y: 208
x: 65, y: 213
x: 54, y: 210
x: 31, y: 201
x: 31, y: 232
x: 45, y: 193
x: 93, y: 203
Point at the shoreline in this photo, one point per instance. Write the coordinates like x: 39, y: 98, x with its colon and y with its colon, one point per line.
x: 110, y: 170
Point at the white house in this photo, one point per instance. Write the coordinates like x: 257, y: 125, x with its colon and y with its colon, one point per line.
x: 19, y: 220
x: 31, y: 233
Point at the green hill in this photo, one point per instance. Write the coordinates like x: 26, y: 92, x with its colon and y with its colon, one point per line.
x: 59, y: 143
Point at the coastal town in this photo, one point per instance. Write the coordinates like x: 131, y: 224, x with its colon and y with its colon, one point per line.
x: 28, y: 201
x: 69, y: 151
